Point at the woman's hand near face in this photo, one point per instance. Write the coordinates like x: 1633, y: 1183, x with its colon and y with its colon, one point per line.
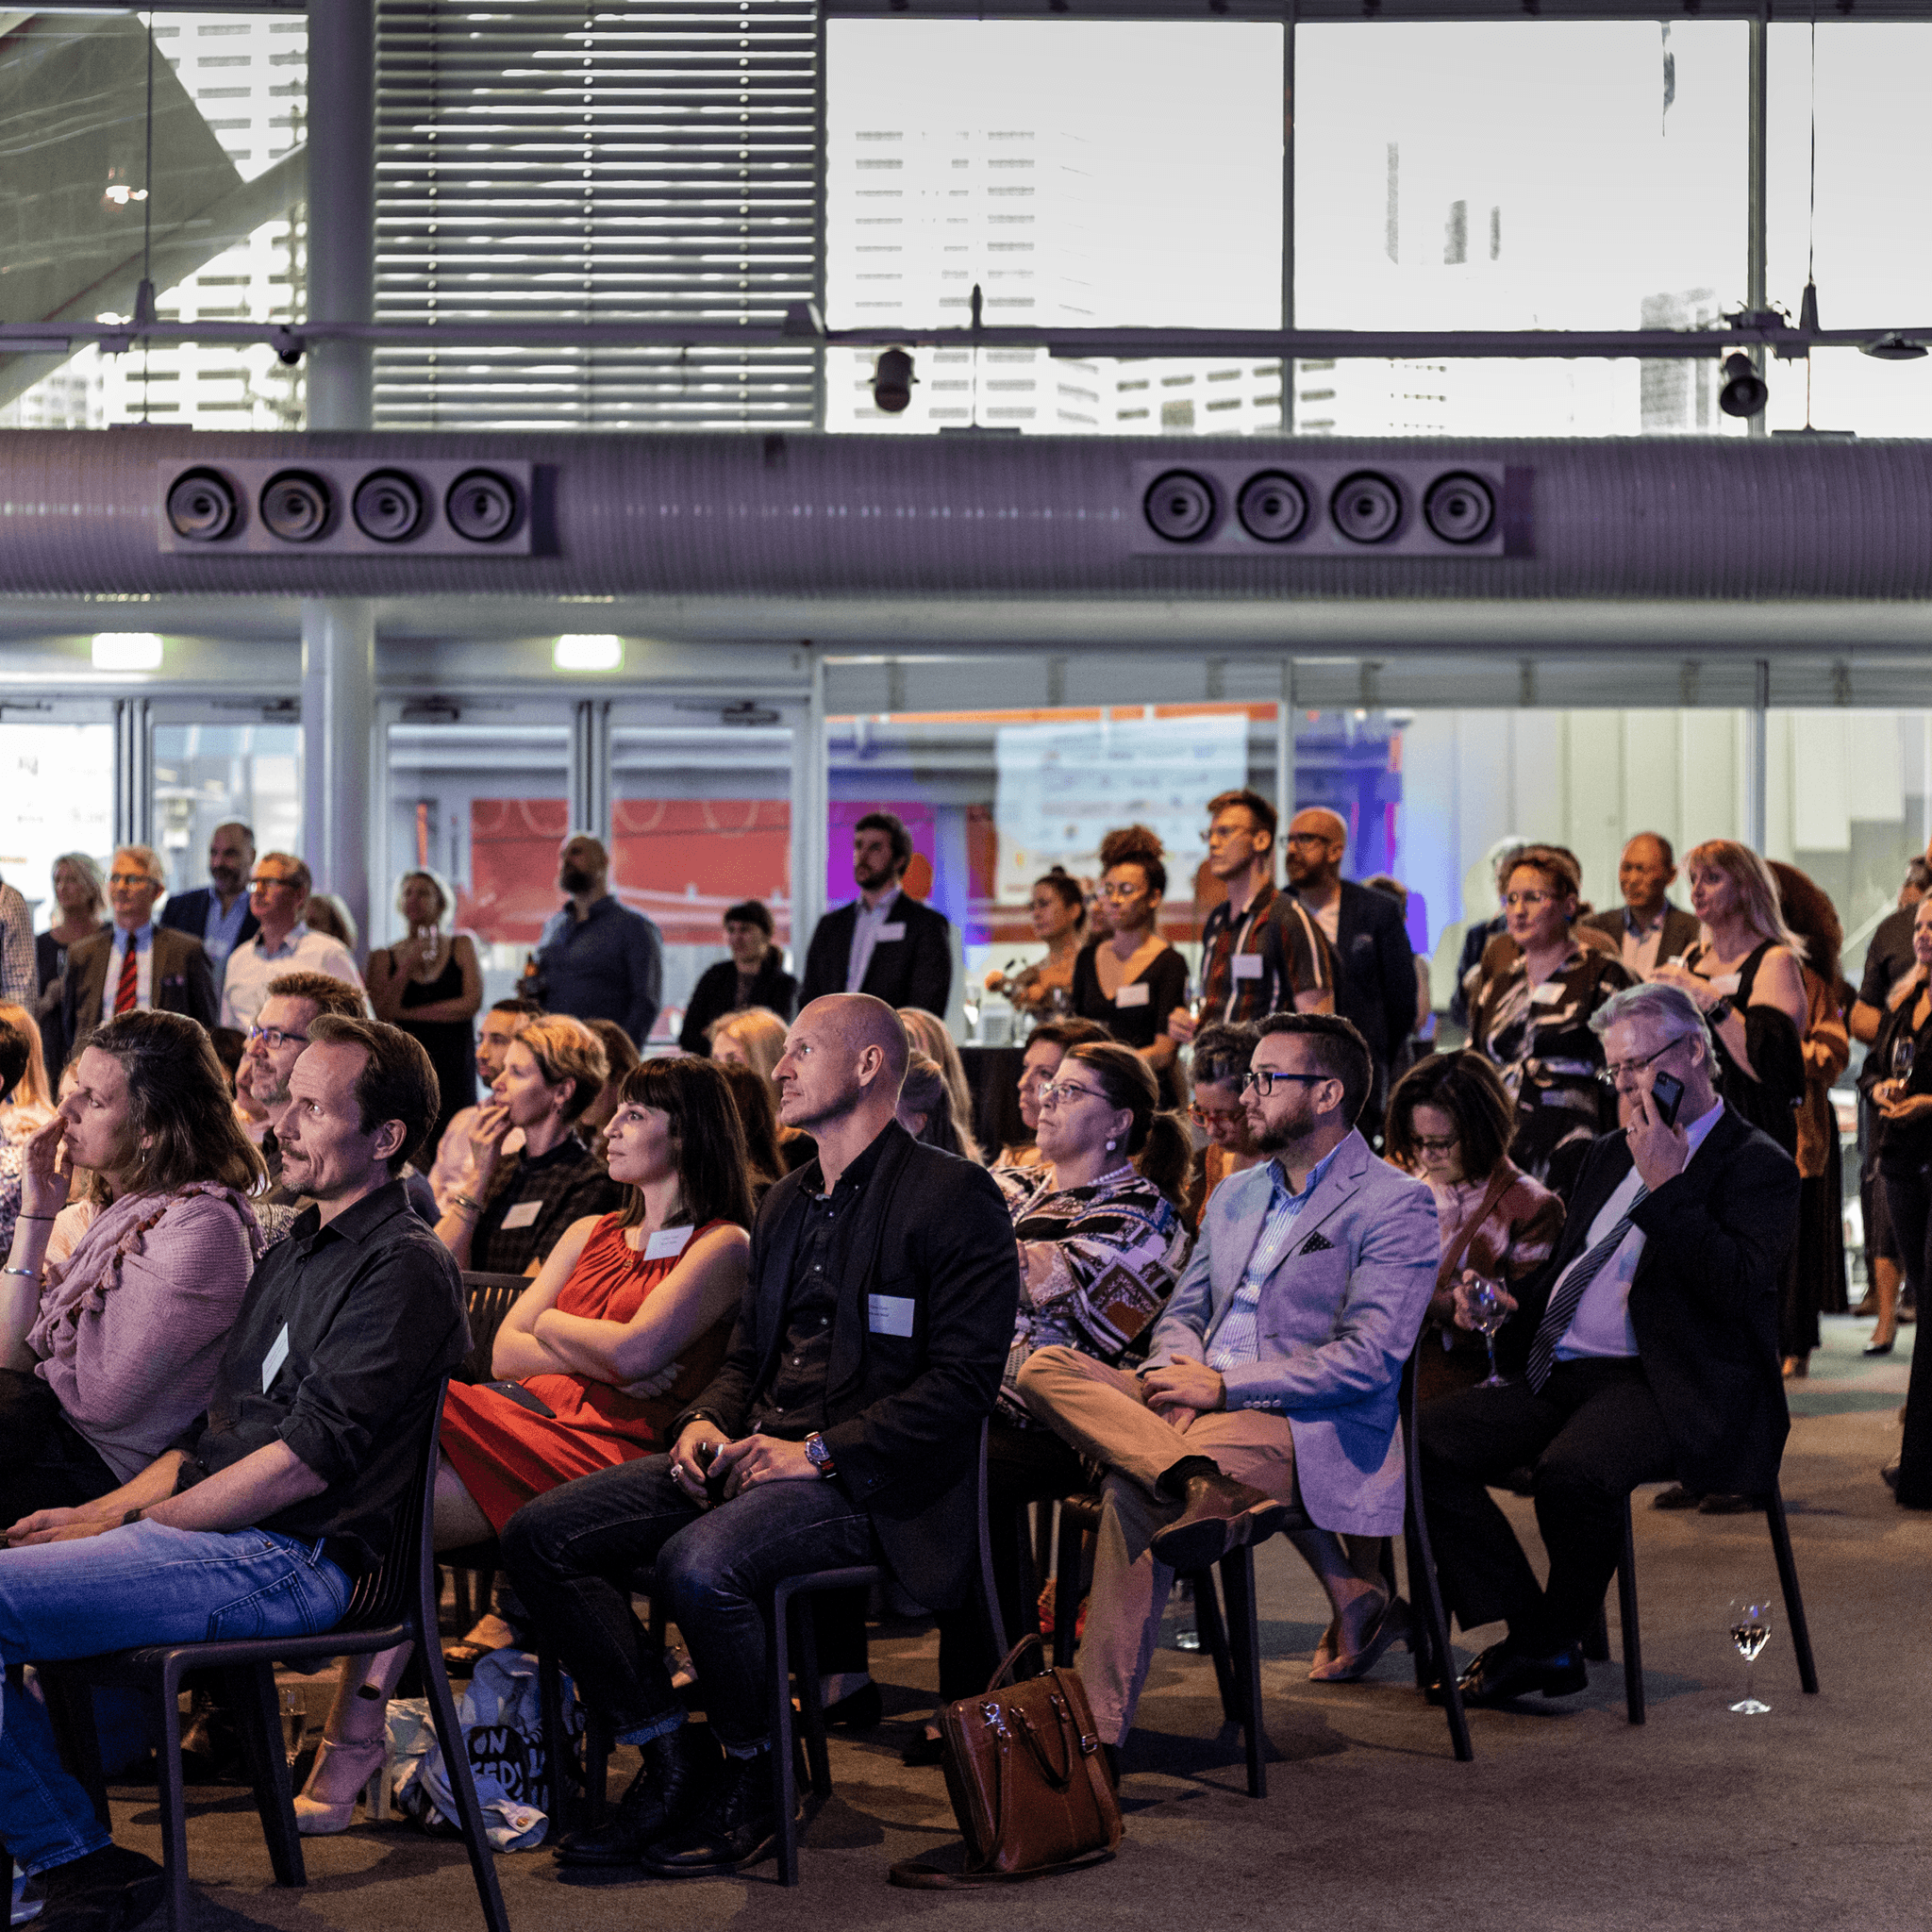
x: 46, y: 1170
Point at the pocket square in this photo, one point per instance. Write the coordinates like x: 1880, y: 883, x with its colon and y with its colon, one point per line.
x: 1315, y: 1244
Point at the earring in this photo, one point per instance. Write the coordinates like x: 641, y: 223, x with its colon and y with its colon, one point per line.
x: 1109, y: 1146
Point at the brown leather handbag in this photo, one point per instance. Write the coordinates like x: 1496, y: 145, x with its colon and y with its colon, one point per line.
x: 1030, y: 1782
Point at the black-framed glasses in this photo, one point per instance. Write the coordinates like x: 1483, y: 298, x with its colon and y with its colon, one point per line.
x: 132, y: 878
x: 1447, y: 1144
x: 1615, y: 1070
x: 275, y: 1038
x: 1262, y: 1079
x: 1057, y: 1091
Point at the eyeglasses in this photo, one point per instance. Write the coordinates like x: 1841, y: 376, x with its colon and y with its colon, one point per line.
x: 1057, y: 1091
x: 1307, y: 839
x: 1615, y: 1070
x: 275, y: 1038
x: 1209, y: 1116
x: 1448, y: 1145
x: 263, y: 883
x: 1262, y: 1079
x: 132, y: 878
x: 1216, y: 835
x: 1119, y: 892
x: 1512, y: 900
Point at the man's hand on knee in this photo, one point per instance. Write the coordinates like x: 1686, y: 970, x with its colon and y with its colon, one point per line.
x: 1183, y: 1388
x: 691, y: 1459
x: 764, y: 1459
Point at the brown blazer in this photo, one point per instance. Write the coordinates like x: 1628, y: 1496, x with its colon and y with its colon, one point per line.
x: 182, y: 982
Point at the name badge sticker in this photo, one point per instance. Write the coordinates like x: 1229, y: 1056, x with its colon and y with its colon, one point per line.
x: 1248, y: 965
x: 524, y: 1214
x: 1548, y: 994
x: 889, y: 1314
x: 1728, y: 984
x: 1138, y: 994
x: 667, y: 1243
x: 272, y: 1362
x: 892, y: 929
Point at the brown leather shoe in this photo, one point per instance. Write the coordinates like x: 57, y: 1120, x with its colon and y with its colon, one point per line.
x: 1219, y: 1515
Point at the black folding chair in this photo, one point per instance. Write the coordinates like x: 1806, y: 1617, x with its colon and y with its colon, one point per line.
x: 393, y: 1603
x: 1434, y: 1659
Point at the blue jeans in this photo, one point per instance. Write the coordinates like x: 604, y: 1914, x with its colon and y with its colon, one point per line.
x: 141, y: 1584
x: 571, y: 1551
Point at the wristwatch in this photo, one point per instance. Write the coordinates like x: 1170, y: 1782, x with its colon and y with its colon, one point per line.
x: 1720, y: 1010
x: 819, y: 1456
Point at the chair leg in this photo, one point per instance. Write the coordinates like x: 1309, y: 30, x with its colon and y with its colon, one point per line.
x: 1213, y: 1634
x: 174, y: 1798
x: 598, y: 1746
x: 817, y: 1759
x: 1245, y: 1642
x: 1787, y: 1578
x: 70, y: 1704
x: 252, y: 1696
x: 557, y: 1753
x: 1435, y: 1660
x: 784, y: 1794
x: 1626, y: 1610
x: 456, y: 1764
x: 1043, y: 1547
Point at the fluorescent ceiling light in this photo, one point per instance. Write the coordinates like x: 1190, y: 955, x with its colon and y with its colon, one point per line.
x: 128, y: 650
x: 589, y: 653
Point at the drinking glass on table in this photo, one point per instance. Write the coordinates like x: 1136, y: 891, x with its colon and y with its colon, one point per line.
x: 1748, y: 1620
x: 1488, y: 1308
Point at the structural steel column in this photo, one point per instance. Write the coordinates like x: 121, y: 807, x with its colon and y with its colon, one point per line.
x: 811, y: 793
x: 338, y: 726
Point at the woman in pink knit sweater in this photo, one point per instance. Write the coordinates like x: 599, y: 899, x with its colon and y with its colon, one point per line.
x: 106, y: 1356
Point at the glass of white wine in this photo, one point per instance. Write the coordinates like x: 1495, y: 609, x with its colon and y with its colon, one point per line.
x: 294, y: 1723
x: 1488, y: 1312
x: 1748, y: 1620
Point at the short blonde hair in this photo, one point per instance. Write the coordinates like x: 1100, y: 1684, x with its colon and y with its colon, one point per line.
x: 32, y: 1088
x: 566, y: 1049
x: 150, y: 861
x: 1756, y: 887
x: 759, y: 1031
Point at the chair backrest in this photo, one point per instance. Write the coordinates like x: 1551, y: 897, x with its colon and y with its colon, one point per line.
x: 382, y: 1595
x: 486, y: 1299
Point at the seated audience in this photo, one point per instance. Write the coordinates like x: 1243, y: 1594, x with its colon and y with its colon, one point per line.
x: 1222, y: 1052
x: 758, y: 1115
x: 501, y: 1024
x: 756, y: 1039
x: 1046, y: 1046
x: 627, y: 1321
x: 108, y: 1355
x: 926, y: 1109
x: 820, y: 1444
x: 1101, y: 1247
x: 1270, y: 1395
x: 275, y: 1043
x: 620, y: 1057
x: 1056, y: 910
x: 508, y: 1211
x: 1529, y: 1011
x: 1133, y: 979
x: 1449, y: 1124
x: 81, y: 894
x: 431, y: 986
x: 755, y: 975
x: 263, y: 1516
x: 1645, y: 1348
x: 278, y: 896
x: 927, y: 1034
x: 31, y: 1106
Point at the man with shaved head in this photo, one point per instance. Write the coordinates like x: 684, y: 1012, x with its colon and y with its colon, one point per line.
x: 1374, y: 966
x: 844, y: 1428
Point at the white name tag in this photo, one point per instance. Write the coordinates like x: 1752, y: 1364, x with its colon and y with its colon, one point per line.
x: 667, y: 1243
x: 1547, y: 994
x: 1137, y: 994
x: 892, y: 929
x: 1726, y: 982
x: 272, y: 1362
x: 889, y: 1314
x: 524, y: 1214
x: 1248, y: 965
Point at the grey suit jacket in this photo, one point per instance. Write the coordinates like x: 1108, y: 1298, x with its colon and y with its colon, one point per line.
x: 1337, y: 1320
x: 1679, y: 934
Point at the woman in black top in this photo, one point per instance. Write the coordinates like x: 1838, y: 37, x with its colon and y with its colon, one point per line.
x: 1132, y: 979
x: 431, y: 986
x: 755, y: 975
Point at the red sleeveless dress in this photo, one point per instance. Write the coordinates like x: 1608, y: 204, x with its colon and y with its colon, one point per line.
x: 506, y: 1454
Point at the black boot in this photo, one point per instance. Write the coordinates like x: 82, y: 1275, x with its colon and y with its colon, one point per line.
x: 667, y: 1791
x: 738, y: 1825
x: 103, y: 1891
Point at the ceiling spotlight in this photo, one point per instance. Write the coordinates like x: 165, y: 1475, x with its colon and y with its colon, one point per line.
x: 584, y: 653
x: 892, y: 381
x: 127, y: 650
x: 1893, y: 348
x: 1744, y: 392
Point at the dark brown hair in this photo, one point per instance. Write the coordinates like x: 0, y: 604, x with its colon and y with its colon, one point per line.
x: 620, y: 1055
x: 1811, y: 914
x: 1068, y: 889
x: 1068, y: 1033
x: 1158, y: 1144
x: 397, y: 1081
x: 924, y: 1092
x: 1136, y: 845
x: 750, y: 912
x: 1340, y: 1052
x: 713, y: 1170
x: 14, y: 1057
x: 893, y: 826
x: 758, y: 1115
x: 179, y: 1105
x: 1470, y: 1090
x: 1223, y: 1050
x: 326, y: 996
x: 1264, y: 815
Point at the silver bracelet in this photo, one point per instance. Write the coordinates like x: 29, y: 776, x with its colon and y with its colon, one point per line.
x: 30, y: 1274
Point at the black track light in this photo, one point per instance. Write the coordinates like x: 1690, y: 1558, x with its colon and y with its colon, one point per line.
x: 892, y: 381
x: 1744, y: 392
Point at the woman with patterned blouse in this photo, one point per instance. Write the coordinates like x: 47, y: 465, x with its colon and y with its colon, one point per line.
x: 1530, y: 1000
x: 1102, y: 1244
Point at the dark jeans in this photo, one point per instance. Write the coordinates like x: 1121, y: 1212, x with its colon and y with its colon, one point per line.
x: 1022, y: 1466
x: 1908, y: 1198
x: 571, y: 1554
x: 1590, y: 1436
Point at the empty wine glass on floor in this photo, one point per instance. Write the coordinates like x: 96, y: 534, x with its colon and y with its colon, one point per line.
x: 1748, y: 1620
x: 1488, y: 1310
x: 294, y: 1723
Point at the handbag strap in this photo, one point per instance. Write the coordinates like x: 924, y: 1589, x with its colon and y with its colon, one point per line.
x: 1499, y: 1185
x: 1004, y: 1675
x: 917, y: 1875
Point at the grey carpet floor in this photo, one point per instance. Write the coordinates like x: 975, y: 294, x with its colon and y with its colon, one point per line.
x: 1568, y: 1816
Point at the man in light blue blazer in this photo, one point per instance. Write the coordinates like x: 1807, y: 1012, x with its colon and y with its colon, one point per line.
x: 1270, y: 1397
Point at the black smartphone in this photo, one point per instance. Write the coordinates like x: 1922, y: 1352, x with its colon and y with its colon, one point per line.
x: 1666, y: 1097
x: 706, y: 1453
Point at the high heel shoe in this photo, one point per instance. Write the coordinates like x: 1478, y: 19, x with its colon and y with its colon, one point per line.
x: 1880, y: 1347
x: 318, y: 1817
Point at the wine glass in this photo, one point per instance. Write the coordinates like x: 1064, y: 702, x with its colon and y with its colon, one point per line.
x: 1902, y: 1052
x: 294, y: 1723
x: 1488, y: 1312
x: 1748, y: 1620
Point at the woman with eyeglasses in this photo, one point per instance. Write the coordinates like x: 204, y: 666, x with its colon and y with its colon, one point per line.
x: 1222, y: 1052
x: 1529, y: 1006
x: 1449, y: 1124
x: 1046, y: 1046
x: 1102, y: 1244
x: 1131, y: 980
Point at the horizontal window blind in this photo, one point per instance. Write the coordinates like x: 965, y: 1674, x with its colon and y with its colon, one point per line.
x: 539, y: 162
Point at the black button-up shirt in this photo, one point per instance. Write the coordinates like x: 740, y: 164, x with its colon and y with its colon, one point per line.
x: 794, y: 1405
x: 567, y: 1184
x: 371, y: 1309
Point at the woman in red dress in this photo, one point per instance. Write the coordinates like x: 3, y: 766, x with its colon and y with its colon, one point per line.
x: 628, y: 1320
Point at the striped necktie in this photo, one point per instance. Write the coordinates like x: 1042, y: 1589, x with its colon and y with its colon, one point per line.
x: 130, y: 972
x: 1569, y: 1294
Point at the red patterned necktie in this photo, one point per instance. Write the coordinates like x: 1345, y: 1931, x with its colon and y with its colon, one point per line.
x: 124, y: 993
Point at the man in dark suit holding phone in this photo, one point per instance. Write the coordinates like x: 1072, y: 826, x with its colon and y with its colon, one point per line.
x: 1645, y: 1348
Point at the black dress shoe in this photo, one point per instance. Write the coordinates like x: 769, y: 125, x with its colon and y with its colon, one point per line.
x: 666, y: 1792
x: 1677, y: 1497
x: 738, y: 1827
x: 924, y: 1751
x: 860, y: 1712
x: 1218, y: 1515
x: 1502, y: 1674
x: 106, y: 1890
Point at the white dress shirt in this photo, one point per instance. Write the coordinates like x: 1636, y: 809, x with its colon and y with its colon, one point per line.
x: 865, y: 936
x: 245, y: 987
x: 144, y: 944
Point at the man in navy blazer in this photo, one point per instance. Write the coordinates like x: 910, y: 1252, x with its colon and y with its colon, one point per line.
x: 884, y: 942
x: 1646, y: 1347
x: 1270, y: 1397
x: 218, y: 914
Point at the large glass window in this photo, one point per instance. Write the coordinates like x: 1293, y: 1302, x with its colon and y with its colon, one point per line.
x: 57, y: 784
x: 206, y: 775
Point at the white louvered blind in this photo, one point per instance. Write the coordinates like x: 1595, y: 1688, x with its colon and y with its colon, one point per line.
x: 539, y: 162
